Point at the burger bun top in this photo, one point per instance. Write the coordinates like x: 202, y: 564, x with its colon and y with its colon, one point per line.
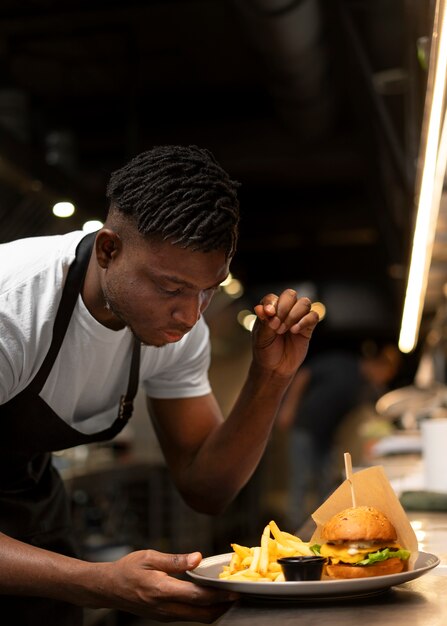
x: 361, y: 523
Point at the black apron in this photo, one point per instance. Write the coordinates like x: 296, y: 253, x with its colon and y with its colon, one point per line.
x: 33, y: 503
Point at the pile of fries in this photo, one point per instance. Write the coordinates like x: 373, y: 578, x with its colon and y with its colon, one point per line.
x: 260, y: 564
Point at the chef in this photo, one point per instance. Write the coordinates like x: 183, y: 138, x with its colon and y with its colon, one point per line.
x: 85, y: 320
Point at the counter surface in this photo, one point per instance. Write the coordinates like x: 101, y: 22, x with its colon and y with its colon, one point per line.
x: 422, y: 602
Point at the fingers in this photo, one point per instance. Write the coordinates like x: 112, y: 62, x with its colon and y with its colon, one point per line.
x: 306, y: 324
x: 150, y: 584
x: 183, y: 591
x: 179, y: 590
x: 287, y: 312
x: 172, y: 563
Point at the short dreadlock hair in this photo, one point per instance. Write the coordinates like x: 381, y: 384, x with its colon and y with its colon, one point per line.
x: 179, y: 193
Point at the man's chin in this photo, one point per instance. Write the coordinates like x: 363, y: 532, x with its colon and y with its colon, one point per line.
x: 162, y: 339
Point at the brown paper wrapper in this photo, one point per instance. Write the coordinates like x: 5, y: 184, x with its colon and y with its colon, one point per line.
x: 372, y: 488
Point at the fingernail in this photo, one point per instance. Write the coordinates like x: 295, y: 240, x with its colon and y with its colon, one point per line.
x: 282, y: 329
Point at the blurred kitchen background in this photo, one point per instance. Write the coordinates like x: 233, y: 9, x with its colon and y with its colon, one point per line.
x: 317, y: 108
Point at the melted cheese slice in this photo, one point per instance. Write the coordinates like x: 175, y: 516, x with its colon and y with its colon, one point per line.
x: 347, y: 553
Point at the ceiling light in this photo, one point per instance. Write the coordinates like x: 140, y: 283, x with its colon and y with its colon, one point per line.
x: 63, y: 209
x: 227, y: 281
x: 91, y: 225
x: 319, y: 309
x: 246, y: 319
x: 234, y: 288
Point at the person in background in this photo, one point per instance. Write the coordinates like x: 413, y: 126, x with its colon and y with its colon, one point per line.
x: 85, y: 319
x: 322, y: 394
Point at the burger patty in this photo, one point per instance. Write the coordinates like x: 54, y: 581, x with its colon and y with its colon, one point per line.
x: 382, y: 568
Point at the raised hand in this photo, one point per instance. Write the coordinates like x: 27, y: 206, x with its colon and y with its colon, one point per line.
x: 282, y: 331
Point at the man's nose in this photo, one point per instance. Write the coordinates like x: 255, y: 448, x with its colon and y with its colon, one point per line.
x: 188, y: 312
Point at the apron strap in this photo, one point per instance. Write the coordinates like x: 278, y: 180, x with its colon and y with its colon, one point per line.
x: 126, y: 402
x: 72, y: 289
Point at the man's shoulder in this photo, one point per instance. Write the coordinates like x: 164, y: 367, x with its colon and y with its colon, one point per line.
x: 23, y: 259
x: 43, y: 246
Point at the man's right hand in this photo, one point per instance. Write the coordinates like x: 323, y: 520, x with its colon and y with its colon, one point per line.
x: 146, y: 583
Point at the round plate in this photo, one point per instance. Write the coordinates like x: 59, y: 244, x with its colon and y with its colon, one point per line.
x: 207, y: 573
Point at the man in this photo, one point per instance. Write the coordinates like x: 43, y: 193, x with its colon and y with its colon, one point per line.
x: 83, y: 320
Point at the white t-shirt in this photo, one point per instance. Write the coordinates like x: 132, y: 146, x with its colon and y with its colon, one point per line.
x: 92, y: 368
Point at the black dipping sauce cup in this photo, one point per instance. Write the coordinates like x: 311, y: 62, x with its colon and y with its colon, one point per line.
x: 302, y: 567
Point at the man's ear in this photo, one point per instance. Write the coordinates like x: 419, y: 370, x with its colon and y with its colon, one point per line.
x: 108, y: 245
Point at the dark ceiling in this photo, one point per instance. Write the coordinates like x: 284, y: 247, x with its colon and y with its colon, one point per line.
x: 315, y: 107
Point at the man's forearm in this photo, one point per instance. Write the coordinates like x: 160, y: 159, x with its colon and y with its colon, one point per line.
x: 232, y: 452
x: 30, y: 571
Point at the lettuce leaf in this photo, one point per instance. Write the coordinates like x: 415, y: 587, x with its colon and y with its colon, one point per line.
x: 316, y: 547
x: 383, y: 555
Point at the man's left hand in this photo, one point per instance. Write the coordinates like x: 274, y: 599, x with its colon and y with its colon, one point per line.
x: 282, y: 331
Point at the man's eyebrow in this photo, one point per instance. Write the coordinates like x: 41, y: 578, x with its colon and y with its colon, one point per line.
x: 185, y: 283
x: 177, y: 280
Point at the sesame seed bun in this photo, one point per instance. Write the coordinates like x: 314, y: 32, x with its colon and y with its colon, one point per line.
x: 361, y: 523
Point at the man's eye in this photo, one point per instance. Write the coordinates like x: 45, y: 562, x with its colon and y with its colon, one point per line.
x: 170, y: 292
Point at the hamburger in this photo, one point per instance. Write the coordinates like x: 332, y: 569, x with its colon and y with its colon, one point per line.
x: 360, y: 542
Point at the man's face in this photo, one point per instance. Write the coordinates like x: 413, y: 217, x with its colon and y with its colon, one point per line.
x: 160, y: 290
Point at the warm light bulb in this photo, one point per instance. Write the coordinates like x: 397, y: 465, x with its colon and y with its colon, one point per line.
x: 91, y: 225
x: 63, y: 209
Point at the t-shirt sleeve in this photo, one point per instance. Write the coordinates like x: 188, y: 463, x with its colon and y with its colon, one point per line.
x: 20, y: 315
x: 184, y: 373
x: 32, y: 271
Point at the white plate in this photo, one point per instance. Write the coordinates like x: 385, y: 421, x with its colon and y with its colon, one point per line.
x: 207, y: 573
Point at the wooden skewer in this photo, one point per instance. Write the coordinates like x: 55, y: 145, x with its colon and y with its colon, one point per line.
x: 348, y: 469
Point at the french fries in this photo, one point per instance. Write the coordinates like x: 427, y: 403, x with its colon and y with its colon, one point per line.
x: 259, y: 564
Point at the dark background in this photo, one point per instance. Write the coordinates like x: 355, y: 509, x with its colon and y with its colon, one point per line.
x: 315, y: 107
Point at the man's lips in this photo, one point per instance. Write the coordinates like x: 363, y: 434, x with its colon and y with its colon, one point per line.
x: 174, y: 335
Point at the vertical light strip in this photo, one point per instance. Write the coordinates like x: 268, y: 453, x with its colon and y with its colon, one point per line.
x: 428, y: 203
